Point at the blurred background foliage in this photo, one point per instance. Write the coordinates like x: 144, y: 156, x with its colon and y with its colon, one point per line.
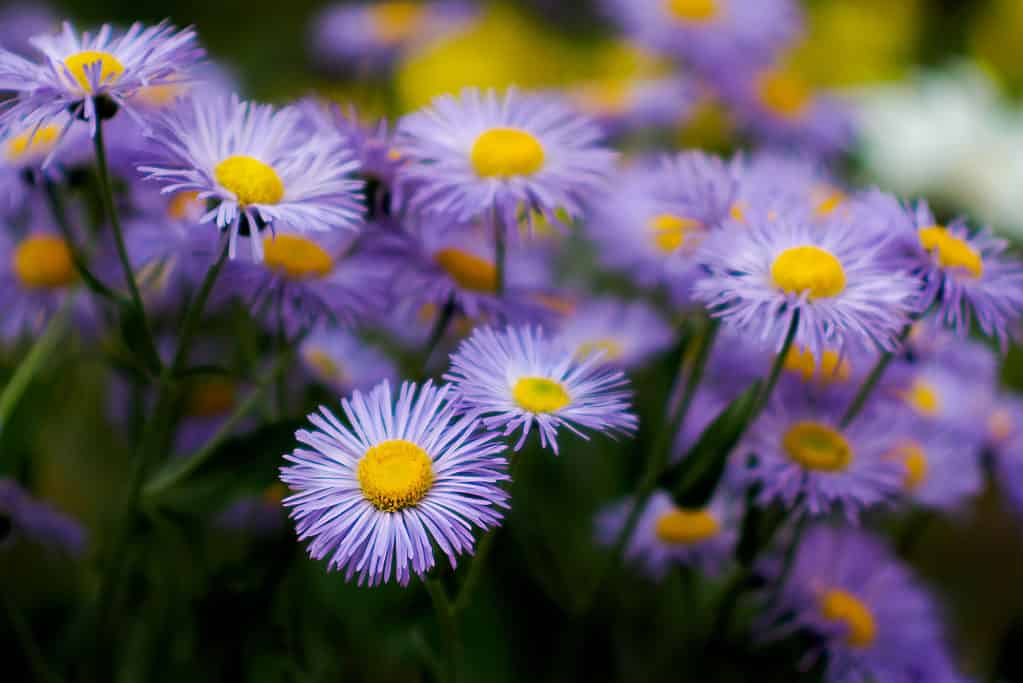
x: 204, y: 609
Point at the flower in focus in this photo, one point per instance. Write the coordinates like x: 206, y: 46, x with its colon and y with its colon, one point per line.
x: 516, y: 154
x: 668, y: 536
x: 93, y: 76
x: 339, y: 360
x: 875, y: 621
x: 628, y: 333
x: 375, y: 496
x: 518, y: 377
x: 24, y: 518
x: 259, y: 166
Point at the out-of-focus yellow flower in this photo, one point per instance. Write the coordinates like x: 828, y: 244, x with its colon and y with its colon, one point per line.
x: 995, y: 40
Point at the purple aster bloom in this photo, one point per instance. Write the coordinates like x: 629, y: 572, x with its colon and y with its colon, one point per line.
x: 760, y: 272
x: 802, y: 457
x: 621, y: 106
x: 942, y: 469
x: 259, y: 166
x: 20, y: 21
x: 519, y: 155
x: 376, y: 495
x: 22, y: 517
x: 875, y: 621
x: 711, y: 34
x: 628, y: 332
x: 208, y: 403
x: 786, y: 183
x: 1005, y: 448
x: 518, y: 377
x: 304, y: 281
x: 22, y: 155
x: 668, y: 536
x: 343, y: 362
x: 93, y: 76
x: 375, y: 34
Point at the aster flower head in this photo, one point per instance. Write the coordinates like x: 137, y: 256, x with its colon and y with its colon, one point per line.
x: 875, y: 621
x: 769, y: 268
x: 518, y: 376
x: 19, y: 21
x: 22, y: 517
x: 259, y: 167
x: 786, y: 183
x: 622, y: 105
x: 340, y: 360
x: 408, y: 472
x: 23, y: 153
x: 941, y: 469
x: 515, y: 154
x: 668, y: 536
x: 37, y: 275
x: 92, y: 76
x: 628, y: 332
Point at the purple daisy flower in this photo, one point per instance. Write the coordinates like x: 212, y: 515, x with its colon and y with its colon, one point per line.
x: 621, y: 106
x: 762, y: 271
x: 22, y: 155
x: 20, y: 21
x: 519, y: 155
x: 376, y: 495
x: 942, y: 470
x: 343, y: 362
x: 93, y: 76
x: 786, y: 183
x: 628, y: 332
x: 22, y: 517
x: 668, y: 536
x: 258, y: 166
x: 518, y: 377
x: 876, y: 623
x: 802, y: 457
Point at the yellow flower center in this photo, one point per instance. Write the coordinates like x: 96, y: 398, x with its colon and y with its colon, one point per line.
x: 540, y: 395
x: 1000, y: 425
x: 832, y: 367
x: 845, y: 608
x: 395, y: 474
x: 251, y: 180
x: 670, y: 231
x: 815, y: 446
x: 320, y: 361
x: 952, y: 251
x: 396, y: 22
x: 686, y: 527
x: 612, y: 348
x: 923, y: 397
x: 737, y: 212
x: 44, y: 261
x: 159, y: 96
x: 185, y: 205
x: 468, y: 270
x: 913, y: 457
x: 830, y: 201
x: 39, y: 144
x: 110, y: 69
x: 808, y: 269
x: 296, y: 257
x: 783, y: 93
x: 693, y: 10
x: 506, y: 152
x: 211, y: 398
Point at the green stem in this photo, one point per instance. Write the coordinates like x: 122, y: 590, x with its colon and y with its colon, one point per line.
x: 779, y: 363
x: 26, y: 641
x: 872, y: 380
x: 37, y: 356
x: 57, y: 209
x: 476, y: 567
x: 445, y: 615
x: 500, y: 250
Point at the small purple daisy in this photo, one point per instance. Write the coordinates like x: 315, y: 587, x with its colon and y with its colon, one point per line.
x: 22, y: 517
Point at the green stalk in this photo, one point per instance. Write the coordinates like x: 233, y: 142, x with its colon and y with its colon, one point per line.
x: 57, y: 209
x: 779, y: 362
x: 36, y: 357
x: 445, y: 615
x: 872, y: 380
x: 500, y: 249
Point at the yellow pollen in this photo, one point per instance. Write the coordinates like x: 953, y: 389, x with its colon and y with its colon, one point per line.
x: 251, y: 180
x: 44, y: 261
x: 686, y: 527
x: 952, y: 251
x: 783, y: 93
x: 831, y: 201
x: 468, y: 270
x: 670, y: 231
x: 26, y: 143
x: 913, y: 457
x: 506, y: 152
x: 737, y: 213
x: 110, y: 70
x: 693, y: 10
x: 185, y: 205
x: 845, y: 608
x: 832, y: 367
x: 1000, y: 425
x: 540, y: 395
x: 923, y: 398
x: 396, y: 22
x: 808, y: 269
x: 296, y: 257
x: 320, y: 361
x: 211, y: 398
x: 612, y: 348
x: 395, y: 474
x: 815, y: 446
x: 159, y: 96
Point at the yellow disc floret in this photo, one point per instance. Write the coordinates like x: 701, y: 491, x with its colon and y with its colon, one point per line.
x: 670, y: 231
x: 783, y: 93
x: 506, y: 152
x: 693, y: 10
x: 686, y: 527
x: 211, y: 398
x: 44, y: 261
x: 468, y: 270
x: 395, y: 474
x: 808, y: 269
x: 396, y: 22
x: 913, y: 457
x: 296, y: 257
x: 612, y: 349
x: 251, y: 180
x: 110, y: 69
x: 844, y: 607
x: 952, y: 252
x: 540, y: 395
x: 832, y: 367
x: 923, y: 397
x: 36, y: 142
x: 816, y: 446
x: 324, y: 364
